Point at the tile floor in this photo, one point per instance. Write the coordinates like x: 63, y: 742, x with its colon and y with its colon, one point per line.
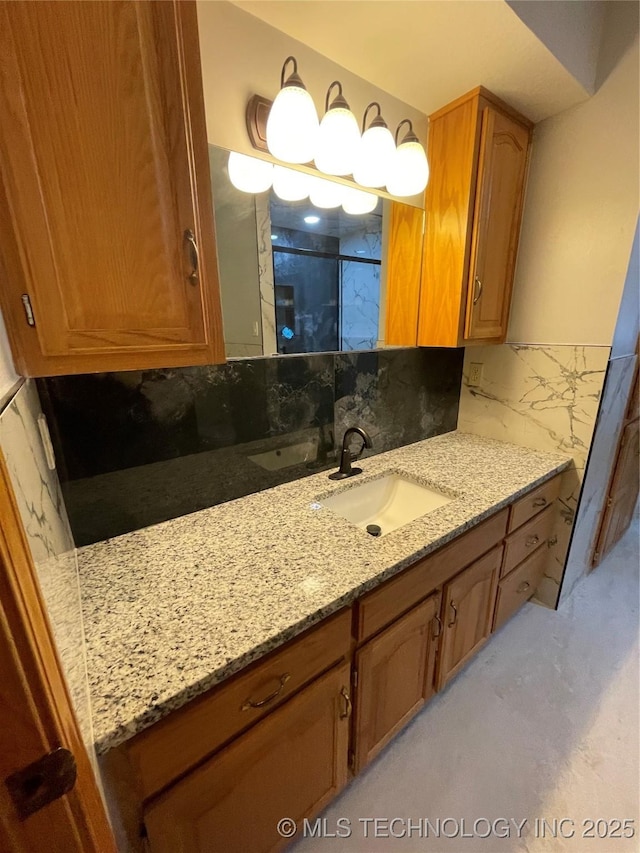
x: 543, y: 724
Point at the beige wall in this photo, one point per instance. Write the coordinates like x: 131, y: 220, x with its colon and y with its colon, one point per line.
x: 579, y: 218
x: 8, y: 376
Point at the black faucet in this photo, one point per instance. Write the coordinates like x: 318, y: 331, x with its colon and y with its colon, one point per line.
x: 346, y: 457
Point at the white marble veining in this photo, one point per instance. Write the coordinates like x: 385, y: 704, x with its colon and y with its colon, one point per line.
x: 545, y: 397
x: 175, y: 608
x: 265, y: 275
x: 594, y: 491
x: 43, y: 514
x: 360, y: 290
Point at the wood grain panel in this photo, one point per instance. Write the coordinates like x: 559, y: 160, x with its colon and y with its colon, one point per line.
x: 518, y: 587
x: 102, y: 176
x: 623, y: 491
x: 290, y: 765
x: 503, y: 157
x: 36, y: 712
x: 452, y: 152
x: 404, y: 267
x: 393, y: 598
x: 533, y: 503
x: 467, y: 614
x: 171, y: 747
x: 526, y: 539
x: 395, y: 678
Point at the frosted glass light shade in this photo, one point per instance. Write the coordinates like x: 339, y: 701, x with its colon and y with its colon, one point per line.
x: 249, y: 174
x: 338, y: 140
x: 292, y: 126
x: 374, y: 157
x: 358, y: 202
x: 409, y: 170
x: 325, y: 194
x: 290, y: 185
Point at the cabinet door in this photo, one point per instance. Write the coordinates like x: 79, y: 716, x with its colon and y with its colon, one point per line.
x: 467, y: 613
x: 289, y: 765
x: 498, y: 209
x: 623, y: 492
x: 103, y: 174
x: 395, y: 678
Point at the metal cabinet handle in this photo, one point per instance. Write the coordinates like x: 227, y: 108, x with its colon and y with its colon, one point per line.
x: 531, y: 540
x: 455, y: 614
x: 478, y: 286
x: 438, y: 620
x: 347, y: 704
x: 262, y: 702
x: 523, y: 587
x: 540, y: 502
x: 194, y: 275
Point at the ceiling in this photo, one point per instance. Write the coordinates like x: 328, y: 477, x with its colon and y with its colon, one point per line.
x: 429, y: 52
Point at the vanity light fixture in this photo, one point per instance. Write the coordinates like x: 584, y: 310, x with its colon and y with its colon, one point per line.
x: 338, y: 137
x: 409, y: 170
x: 375, y: 152
x: 358, y: 202
x: 249, y: 174
x: 292, y: 126
x: 290, y: 185
x: 325, y: 194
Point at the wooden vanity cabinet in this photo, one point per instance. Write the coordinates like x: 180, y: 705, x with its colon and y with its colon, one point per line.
x: 478, y: 151
x: 290, y: 765
x: 467, y: 614
x: 394, y: 675
x: 107, y: 249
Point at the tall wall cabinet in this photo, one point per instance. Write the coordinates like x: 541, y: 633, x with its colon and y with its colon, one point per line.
x: 478, y: 150
x: 106, y: 226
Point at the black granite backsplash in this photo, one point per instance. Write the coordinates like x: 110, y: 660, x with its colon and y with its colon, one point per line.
x: 140, y: 447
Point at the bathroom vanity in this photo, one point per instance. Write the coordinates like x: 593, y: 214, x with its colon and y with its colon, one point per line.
x: 254, y: 656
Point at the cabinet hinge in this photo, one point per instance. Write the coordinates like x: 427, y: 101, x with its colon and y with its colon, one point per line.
x: 609, y: 502
x: 355, y: 677
x: 595, y: 558
x: 352, y: 759
x: 42, y: 782
x: 28, y: 310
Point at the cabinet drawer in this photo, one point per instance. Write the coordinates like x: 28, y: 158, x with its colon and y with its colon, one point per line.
x: 526, y: 539
x: 172, y: 746
x: 519, y: 586
x: 380, y: 607
x: 534, y: 502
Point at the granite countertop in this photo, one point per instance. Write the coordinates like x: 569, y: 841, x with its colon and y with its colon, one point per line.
x: 173, y: 609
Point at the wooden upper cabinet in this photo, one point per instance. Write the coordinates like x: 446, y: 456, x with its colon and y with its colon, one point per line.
x: 478, y: 151
x: 106, y: 221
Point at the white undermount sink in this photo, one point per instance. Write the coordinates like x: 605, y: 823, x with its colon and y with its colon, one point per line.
x: 388, y: 502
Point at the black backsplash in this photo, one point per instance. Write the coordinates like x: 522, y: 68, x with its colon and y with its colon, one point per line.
x: 137, y: 448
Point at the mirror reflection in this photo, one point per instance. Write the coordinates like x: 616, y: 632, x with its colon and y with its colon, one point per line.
x: 295, y: 278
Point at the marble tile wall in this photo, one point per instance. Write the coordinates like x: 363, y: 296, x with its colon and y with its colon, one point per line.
x: 360, y: 289
x: 39, y: 497
x: 137, y: 448
x: 545, y: 397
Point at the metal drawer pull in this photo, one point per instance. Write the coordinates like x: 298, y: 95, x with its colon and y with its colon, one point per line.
x: 540, y: 502
x: 347, y: 704
x: 531, y: 540
x: 262, y: 702
x: 195, y: 257
x: 478, y: 285
x: 523, y: 587
x: 455, y: 614
x: 439, y: 622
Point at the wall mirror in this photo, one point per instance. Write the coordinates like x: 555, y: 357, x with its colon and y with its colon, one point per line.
x: 296, y: 278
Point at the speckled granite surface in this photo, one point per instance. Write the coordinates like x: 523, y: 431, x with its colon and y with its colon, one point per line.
x: 175, y: 608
